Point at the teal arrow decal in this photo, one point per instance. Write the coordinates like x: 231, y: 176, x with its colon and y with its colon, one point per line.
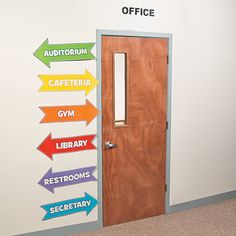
x: 68, y: 207
x: 48, y: 53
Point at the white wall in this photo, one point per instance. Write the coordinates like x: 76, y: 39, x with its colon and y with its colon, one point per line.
x: 203, y: 146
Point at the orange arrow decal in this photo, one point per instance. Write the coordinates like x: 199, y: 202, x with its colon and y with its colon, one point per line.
x: 55, y: 114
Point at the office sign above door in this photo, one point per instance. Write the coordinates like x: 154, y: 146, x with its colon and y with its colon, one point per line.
x: 138, y: 11
x: 138, y: 15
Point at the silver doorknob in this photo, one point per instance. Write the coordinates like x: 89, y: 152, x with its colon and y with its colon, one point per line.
x: 109, y: 145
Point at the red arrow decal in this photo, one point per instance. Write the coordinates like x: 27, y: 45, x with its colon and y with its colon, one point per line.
x: 50, y: 146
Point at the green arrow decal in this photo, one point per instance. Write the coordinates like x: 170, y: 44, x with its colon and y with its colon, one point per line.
x: 48, y: 53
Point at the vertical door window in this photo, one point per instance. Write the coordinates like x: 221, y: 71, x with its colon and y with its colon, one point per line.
x: 120, y: 89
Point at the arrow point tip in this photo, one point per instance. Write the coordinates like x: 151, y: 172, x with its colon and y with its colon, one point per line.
x: 43, y: 147
x: 39, y: 53
x: 94, y: 203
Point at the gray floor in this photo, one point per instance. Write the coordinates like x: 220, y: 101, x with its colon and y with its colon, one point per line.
x: 217, y: 219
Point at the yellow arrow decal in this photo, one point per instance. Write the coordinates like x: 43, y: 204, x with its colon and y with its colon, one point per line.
x: 72, y: 82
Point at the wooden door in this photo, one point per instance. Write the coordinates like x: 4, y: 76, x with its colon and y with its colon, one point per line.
x: 134, y: 171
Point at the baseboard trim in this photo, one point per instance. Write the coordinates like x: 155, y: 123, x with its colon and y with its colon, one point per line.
x: 201, y: 202
x: 67, y: 230
x: 64, y: 231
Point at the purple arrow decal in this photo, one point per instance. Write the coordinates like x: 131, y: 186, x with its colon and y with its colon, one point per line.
x: 64, y: 178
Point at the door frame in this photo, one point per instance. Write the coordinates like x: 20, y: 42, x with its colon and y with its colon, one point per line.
x: 99, y: 35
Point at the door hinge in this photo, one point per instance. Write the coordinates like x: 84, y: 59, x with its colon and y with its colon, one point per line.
x: 165, y: 187
x: 167, y: 125
x: 167, y: 59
